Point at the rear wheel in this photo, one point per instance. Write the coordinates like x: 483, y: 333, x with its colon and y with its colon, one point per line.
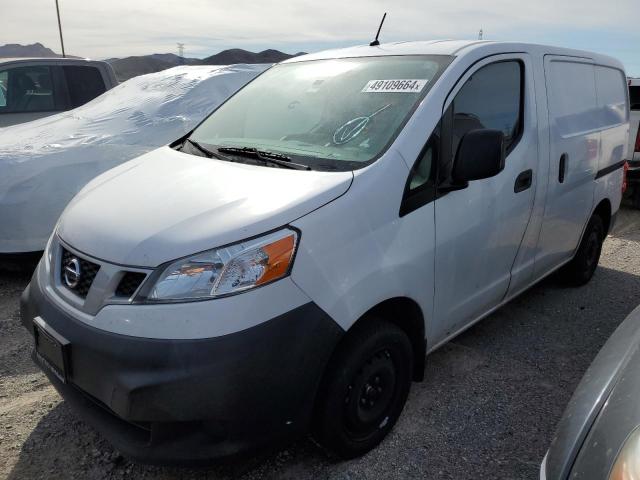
x: 580, y: 270
x: 364, y: 389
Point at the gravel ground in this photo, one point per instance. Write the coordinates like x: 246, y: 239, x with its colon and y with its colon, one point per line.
x: 487, y: 409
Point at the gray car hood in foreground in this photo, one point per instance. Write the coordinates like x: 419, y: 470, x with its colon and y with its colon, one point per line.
x: 603, y: 410
x: 167, y: 204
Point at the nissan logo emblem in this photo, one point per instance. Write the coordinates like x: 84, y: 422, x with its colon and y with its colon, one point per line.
x: 72, y: 272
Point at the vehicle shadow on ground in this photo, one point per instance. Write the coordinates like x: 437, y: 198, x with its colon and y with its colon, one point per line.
x: 18, y: 265
x: 490, y: 402
x: 63, y: 446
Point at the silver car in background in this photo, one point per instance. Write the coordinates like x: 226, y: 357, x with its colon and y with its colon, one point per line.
x: 32, y: 88
x: 598, y: 436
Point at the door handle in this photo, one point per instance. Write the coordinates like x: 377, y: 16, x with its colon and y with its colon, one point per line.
x: 523, y: 181
x: 562, y: 167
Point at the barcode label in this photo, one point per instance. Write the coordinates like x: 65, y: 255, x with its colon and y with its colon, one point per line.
x: 391, y: 86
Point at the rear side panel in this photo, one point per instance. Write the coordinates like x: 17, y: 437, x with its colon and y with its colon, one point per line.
x: 573, y: 157
x: 613, y: 118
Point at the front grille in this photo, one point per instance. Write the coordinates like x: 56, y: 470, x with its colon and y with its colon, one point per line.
x: 129, y: 284
x: 87, y: 273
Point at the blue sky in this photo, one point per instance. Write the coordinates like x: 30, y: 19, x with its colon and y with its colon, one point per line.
x: 135, y: 27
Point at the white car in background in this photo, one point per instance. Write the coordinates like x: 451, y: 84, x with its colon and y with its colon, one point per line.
x: 44, y: 163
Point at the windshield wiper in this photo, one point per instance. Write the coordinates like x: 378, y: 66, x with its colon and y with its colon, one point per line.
x: 264, y: 156
x: 208, y: 153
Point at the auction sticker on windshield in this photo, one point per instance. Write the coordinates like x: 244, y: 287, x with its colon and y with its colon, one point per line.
x: 397, y: 85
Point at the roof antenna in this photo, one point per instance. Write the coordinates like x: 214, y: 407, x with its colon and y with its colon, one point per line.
x: 375, y: 43
x: 60, y: 29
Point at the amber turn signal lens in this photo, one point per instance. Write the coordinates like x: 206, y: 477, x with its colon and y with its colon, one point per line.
x: 279, y: 256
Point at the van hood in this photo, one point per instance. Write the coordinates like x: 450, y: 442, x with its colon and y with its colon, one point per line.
x: 167, y: 204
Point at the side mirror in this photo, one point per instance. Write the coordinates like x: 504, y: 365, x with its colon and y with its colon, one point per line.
x: 481, y: 154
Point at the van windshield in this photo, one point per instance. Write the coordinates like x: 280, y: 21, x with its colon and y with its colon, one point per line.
x: 336, y: 114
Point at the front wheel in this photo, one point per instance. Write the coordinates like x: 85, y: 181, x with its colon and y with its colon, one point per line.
x: 580, y: 270
x: 364, y: 389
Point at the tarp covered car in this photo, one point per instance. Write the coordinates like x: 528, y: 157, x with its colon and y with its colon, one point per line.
x: 44, y: 163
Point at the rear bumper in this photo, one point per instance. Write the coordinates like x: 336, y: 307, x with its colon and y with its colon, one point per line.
x: 633, y: 173
x: 185, y: 401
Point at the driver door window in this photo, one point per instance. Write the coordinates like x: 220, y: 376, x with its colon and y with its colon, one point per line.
x: 490, y: 98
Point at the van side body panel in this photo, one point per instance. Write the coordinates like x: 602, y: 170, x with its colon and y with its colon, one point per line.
x: 479, y: 229
x: 573, y: 157
x: 588, y: 131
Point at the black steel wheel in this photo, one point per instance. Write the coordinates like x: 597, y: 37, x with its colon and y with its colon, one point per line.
x: 364, y: 389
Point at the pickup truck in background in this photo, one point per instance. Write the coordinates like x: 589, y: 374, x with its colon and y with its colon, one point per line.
x: 633, y: 157
x: 32, y: 88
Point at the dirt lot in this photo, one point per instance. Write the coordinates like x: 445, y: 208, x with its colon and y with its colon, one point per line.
x: 487, y: 409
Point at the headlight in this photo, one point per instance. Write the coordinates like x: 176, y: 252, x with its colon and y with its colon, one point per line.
x: 627, y: 465
x: 227, y: 270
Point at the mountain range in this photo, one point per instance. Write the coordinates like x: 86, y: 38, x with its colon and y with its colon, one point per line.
x: 33, y: 50
x: 129, y: 67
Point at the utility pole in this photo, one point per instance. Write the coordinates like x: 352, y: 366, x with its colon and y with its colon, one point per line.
x: 480, y: 34
x: 60, y: 29
x: 181, y: 51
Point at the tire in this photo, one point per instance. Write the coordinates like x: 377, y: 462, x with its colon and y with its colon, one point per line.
x: 582, y: 267
x: 364, y: 389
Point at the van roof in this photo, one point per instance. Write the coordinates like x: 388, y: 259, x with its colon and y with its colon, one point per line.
x: 452, y: 47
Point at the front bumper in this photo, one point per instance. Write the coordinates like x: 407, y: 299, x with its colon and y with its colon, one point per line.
x: 184, y: 401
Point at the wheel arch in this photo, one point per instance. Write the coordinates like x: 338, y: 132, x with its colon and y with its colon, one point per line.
x: 603, y: 210
x: 406, y: 314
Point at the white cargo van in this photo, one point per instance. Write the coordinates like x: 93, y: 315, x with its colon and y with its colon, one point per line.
x: 286, y: 266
